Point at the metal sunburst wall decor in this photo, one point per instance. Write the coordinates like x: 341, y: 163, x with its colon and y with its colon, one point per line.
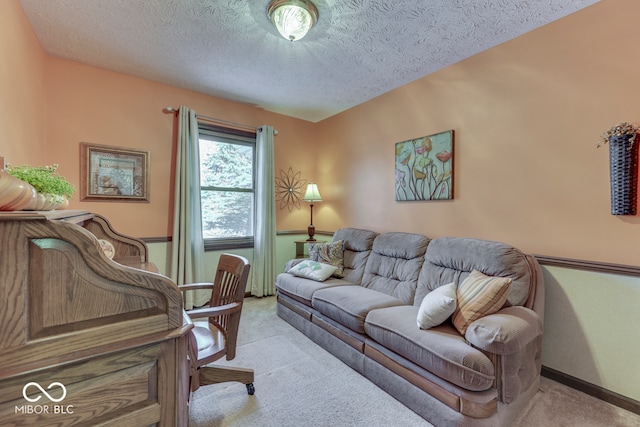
x: 290, y: 189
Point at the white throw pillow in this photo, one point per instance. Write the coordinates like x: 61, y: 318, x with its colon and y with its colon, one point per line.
x: 437, y: 306
x: 313, y: 270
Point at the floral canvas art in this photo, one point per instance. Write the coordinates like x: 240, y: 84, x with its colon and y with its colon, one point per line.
x: 424, y: 168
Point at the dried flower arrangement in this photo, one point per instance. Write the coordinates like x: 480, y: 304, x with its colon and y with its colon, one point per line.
x: 621, y: 129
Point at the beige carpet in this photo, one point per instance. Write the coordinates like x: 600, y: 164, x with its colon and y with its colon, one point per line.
x: 299, y: 384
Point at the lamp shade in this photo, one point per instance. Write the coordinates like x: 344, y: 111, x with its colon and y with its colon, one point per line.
x: 312, y: 194
x: 292, y: 18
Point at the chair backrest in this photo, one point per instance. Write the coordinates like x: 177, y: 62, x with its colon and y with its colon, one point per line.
x: 229, y: 286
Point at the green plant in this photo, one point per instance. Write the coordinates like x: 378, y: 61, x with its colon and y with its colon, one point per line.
x: 44, y: 179
x: 620, y: 130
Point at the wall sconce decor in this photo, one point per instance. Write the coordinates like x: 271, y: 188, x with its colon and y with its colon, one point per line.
x: 312, y: 195
x: 623, y: 167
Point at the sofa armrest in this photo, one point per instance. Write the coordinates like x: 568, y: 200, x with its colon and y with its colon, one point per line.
x: 292, y: 263
x: 506, y: 332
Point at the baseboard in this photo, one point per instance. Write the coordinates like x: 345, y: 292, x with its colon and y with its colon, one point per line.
x: 608, y: 396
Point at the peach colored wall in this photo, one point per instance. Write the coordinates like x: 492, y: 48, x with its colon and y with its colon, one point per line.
x: 527, y: 115
x: 21, y: 89
x: 88, y: 104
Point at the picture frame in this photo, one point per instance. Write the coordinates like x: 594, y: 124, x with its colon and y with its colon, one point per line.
x: 424, y: 168
x: 110, y: 173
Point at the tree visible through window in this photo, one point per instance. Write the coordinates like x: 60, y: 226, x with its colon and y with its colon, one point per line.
x: 227, y: 160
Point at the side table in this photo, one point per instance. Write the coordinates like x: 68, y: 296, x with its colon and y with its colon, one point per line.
x: 302, y: 244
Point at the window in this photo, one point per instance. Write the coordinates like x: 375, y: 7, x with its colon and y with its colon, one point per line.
x: 227, y: 185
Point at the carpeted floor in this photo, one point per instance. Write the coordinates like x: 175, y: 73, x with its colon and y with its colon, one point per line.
x: 299, y: 384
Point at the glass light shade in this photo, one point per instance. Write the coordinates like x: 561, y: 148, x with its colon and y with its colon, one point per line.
x: 292, y: 18
x: 312, y: 194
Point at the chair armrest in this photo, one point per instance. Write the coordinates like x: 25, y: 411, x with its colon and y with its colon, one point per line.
x: 506, y: 332
x: 195, y: 286
x: 214, y: 311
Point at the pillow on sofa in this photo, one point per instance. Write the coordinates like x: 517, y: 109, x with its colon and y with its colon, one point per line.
x: 437, y: 306
x: 329, y: 253
x: 479, y: 295
x: 313, y: 270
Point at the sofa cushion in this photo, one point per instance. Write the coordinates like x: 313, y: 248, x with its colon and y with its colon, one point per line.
x: 437, y: 306
x: 451, y: 259
x: 440, y: 350
x: 479, y: 295
x: 357, y: 247
x: 349, y: 305
x: 329, y: 253
x: 394, y: 264
x: 302, y: 289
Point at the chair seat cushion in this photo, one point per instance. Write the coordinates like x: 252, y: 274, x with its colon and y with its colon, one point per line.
x: 349, y: 305
x: 209, y: 342
x: 440, y: 350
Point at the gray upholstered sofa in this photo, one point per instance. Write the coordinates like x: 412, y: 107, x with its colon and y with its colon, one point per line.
x: 368, y: 320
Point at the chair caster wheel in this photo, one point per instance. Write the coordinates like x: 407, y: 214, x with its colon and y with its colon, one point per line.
x: 251, y: 389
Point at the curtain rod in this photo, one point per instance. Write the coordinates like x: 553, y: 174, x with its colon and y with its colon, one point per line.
x: 171, y: 110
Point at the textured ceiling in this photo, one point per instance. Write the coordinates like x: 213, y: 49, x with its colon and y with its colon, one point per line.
x: 359, y: 49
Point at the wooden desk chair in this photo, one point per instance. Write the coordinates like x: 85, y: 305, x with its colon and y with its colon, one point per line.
x: 215, y: 328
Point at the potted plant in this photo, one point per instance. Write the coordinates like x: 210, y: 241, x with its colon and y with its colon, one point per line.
x: 53, y: 190
x: 623, y: 167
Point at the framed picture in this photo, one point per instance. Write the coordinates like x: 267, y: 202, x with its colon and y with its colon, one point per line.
x: 113, y: 173
x: 424, y: 168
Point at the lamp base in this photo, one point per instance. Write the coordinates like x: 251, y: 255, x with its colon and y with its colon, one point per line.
x: 311, y: 230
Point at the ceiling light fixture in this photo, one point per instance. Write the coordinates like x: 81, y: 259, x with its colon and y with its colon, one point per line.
x: 292, y: 18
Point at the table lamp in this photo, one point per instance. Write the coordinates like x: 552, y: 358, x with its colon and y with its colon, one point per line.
x: 312, y: 195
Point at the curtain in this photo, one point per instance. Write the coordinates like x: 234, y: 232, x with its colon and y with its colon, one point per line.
x: 264, y: 251
x: 187, y: 251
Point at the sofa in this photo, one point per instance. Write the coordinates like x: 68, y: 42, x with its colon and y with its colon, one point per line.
x: 451, y: 327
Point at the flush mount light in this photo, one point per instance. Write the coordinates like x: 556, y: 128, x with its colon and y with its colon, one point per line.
x: 292, y: 18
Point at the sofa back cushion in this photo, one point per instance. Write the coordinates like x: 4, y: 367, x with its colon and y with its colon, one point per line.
x: 357, y: 247
x: 451, y: 259
x: 394, y: 264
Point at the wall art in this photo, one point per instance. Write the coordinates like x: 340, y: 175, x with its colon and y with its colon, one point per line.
x: 290, y: 189
x: 424, y: 168
x: 113, y: 173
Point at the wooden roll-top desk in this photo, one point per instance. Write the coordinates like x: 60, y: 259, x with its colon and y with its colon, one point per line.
x: 104, y: 339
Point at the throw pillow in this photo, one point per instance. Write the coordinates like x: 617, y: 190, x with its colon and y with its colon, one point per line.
x: 329, y: 253
x: 479, y: 295
x: 437, y: 306
x: 313, y: 270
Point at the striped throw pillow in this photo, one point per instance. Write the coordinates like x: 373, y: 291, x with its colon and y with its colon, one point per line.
x: 479, y: 295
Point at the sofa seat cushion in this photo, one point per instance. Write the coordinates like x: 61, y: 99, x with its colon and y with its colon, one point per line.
x: 440, y: 350
x: 349, y: 305
x: 302, y: 289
